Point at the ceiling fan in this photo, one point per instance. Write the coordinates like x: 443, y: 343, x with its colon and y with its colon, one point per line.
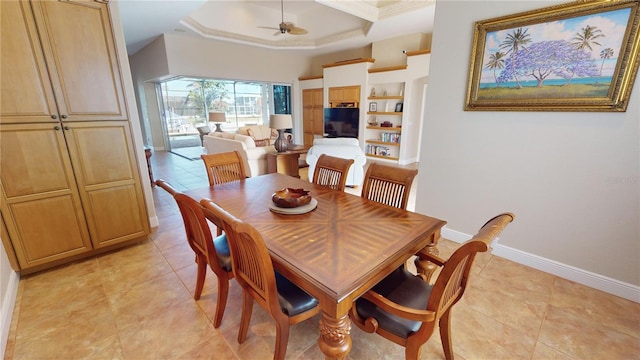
x: 286, y: 27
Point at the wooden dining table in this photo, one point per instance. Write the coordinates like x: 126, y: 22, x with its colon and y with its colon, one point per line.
x: 335, y: 252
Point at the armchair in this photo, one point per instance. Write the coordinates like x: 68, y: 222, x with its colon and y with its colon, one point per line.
x: 405, y: 309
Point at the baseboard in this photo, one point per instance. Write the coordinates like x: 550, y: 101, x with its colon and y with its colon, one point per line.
x: 603, y: 283
x: 153, y: 222
x: 6, y: 312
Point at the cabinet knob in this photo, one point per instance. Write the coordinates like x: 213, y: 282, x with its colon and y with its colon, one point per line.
x: 63, y: 116
x: 54, y: 116
x: 67, y: 128
x: 56, y: 127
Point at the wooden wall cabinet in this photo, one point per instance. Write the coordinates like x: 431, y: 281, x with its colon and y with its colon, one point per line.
x: 68, y: 171
x: 344, y: 94
x: 312, y: 115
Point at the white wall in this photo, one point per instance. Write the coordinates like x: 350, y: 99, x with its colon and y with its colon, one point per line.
x: 9, y: 281
x: 571, y: 178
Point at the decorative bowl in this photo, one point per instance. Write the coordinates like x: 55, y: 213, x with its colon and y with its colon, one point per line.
x: 291, y: 198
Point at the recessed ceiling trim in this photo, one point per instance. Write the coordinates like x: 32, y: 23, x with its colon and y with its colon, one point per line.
x: 282, y: 42
x: 359, y: 9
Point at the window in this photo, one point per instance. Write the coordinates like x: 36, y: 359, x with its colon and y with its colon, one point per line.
x: 187, y: 102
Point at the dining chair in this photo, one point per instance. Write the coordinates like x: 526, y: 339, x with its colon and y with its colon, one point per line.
x: 224, y: 167
x: 208, y: 250
x: 405, y: 309
x: 284, y: 301
x: 389, y: 185
x: 331, y: 172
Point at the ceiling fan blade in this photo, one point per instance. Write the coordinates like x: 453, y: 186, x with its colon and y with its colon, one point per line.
x: 268, y: 27
x: 294, y: 30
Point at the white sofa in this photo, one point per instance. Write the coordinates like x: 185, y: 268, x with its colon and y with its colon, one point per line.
x: 255, y: 157
x: 348, y: 148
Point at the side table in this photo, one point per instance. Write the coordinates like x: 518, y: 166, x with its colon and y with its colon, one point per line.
x: 286, y: 162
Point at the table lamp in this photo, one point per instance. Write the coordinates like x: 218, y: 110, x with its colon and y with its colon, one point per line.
x: 218, y: 118
x: 281, y: 122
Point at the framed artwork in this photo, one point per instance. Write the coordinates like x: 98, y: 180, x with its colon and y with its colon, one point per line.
x: 399, y: 107
x: 373, y: 107
x: 580, y: 56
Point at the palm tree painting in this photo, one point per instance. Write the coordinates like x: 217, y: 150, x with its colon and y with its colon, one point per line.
x: 560, y: 54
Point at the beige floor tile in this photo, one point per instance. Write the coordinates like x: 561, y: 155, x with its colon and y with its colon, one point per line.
x: 478, y: 336
x: 88, y: 332
x: 522, y: 295
x: 146, y: 300
x: 61, y: 290
x: 613, y: 312
x: 584, y: 338
x: 132, y: 265
x: 168, y: 334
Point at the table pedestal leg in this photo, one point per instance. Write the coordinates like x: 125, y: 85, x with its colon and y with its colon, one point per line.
x: 426, y: 267
x: 335, y: 338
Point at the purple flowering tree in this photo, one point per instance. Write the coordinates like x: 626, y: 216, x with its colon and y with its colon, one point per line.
x: 543, y: 59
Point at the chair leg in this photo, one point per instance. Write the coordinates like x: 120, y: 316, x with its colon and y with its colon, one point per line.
x: 245, y: 318
x: 445, y: 334
x: 412, y: 351
x: 223, y: 291
x: 282, y: 339
x: 201, y: 275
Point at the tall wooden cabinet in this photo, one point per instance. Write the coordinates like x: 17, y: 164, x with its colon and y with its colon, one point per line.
x: 68, y: 171
x: 312, y: 115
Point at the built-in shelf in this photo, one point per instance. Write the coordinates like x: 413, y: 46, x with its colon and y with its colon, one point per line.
x: 399, y: 113
x: 378, y: 142
x: 389, y: 97
x: 384, y: 128
x: 383, y: 157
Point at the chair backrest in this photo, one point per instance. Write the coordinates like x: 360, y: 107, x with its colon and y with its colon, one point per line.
x: 251, y: 262
x: 389, y: 185
x: 331, y: 172
x: 224, y: 167
x: 196, y: 225
x: 452, y: 280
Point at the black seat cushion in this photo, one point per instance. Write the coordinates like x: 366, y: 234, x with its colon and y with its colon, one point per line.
x: 222, y: 251
x: 293, y: 300
x: 402, y: 288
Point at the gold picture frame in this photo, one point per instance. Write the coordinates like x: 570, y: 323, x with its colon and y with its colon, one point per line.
x: 580, y: 56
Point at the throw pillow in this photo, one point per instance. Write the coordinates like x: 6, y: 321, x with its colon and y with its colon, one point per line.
x: 259, y: 142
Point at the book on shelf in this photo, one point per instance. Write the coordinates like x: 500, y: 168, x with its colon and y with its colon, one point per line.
x: 390, y: 137
x: 379, y: 150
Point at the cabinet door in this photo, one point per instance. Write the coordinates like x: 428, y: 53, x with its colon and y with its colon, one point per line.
x: 103, y: 157
x: 40, y: 203
x: 335, y: 94
x: 26, y: 91
x: 351, y: 94
x: 318, y: 113
x: 77, y: 41
x: 312, y: 115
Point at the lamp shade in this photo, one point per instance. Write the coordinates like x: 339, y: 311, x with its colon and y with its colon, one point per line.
x: 217, y: 117
x: 280, y: 121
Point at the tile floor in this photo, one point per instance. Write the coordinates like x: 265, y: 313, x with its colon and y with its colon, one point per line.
x: 137, y: 303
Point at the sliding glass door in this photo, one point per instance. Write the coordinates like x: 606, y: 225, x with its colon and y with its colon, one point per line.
x: 186, y: 103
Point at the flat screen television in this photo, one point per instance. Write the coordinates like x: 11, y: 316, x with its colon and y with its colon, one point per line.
x: 341, y: 122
